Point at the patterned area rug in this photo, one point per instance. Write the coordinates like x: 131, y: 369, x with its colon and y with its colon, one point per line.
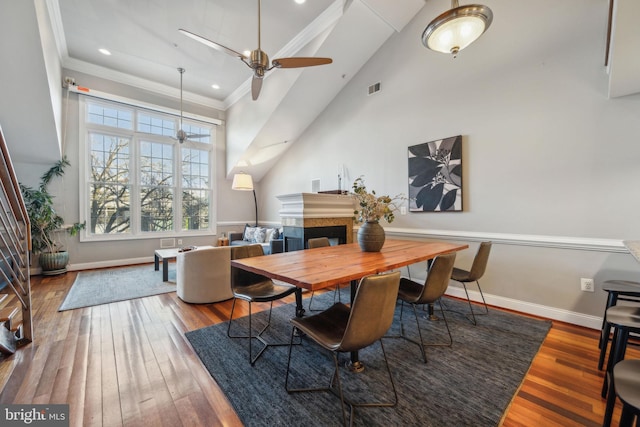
x: 468, y: 384
x: 116, y: 284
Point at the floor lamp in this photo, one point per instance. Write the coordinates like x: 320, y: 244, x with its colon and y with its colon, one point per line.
x: 243, y: 182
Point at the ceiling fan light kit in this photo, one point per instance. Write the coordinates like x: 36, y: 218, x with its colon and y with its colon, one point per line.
x: 257, y: 60
x: 457, y: 28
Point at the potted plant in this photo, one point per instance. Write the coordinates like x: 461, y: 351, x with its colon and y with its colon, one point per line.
x: 370, y: 209
x: 46, y: 223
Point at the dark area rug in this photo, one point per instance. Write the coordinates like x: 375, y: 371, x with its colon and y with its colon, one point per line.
x: 108, y: 285
x: 468, y: 384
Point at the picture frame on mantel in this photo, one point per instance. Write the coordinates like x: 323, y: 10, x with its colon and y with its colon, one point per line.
x: 435, y: 176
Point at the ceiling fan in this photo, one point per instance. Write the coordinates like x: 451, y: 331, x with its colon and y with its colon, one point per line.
x: 181, y: 135
x: 258, y: 61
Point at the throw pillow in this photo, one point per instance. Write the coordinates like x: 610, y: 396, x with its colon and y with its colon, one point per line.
x: 250, y: 234
x: 244, y: 232
x: 270, y: 234
x: 259, y: 235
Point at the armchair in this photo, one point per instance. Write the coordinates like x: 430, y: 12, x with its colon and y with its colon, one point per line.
x: 204, y: 275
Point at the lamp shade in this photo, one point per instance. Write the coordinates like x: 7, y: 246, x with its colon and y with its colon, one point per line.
x: 457, y: 28
x: 242, y: 181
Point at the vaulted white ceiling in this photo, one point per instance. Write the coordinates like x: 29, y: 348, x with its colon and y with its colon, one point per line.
x: 43, y: 37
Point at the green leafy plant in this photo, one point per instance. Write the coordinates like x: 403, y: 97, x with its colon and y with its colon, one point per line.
x: 371, y: 206
x: 45, y: 221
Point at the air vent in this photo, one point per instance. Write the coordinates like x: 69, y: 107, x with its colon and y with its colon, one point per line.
x: 315, y: 185
x: 167, y: 243
x: 374, y: 88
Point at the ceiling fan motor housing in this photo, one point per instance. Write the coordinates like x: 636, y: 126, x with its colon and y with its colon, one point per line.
x: 259, y: 62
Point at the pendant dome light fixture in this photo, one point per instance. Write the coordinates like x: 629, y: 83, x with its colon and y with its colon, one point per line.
x: 457, y: 28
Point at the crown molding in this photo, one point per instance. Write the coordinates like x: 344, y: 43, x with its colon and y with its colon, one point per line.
x: 137, y: 82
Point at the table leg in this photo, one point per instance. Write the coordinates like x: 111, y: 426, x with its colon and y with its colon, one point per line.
x: 355, y: 365
x: 165, y: 270
x: 432, y: 315
x: 299, y: 309
x: 156, y: 262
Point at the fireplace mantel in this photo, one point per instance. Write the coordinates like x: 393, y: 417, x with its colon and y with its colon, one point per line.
x: 316, y: 205
x: 309, y: 215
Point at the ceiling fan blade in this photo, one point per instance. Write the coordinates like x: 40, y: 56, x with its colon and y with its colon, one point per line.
x: 300, y: 61
x: 256, y: 85
x: 211, y: 44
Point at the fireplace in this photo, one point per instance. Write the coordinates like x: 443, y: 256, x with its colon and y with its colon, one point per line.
x: 305, y: 216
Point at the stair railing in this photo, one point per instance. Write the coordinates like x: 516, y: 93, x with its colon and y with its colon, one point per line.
x: 15, y: 240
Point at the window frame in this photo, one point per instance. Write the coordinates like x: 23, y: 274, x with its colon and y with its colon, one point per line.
x: 136, y: 139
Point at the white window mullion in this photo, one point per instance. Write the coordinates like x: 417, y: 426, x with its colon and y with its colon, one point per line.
x: 135, y: 186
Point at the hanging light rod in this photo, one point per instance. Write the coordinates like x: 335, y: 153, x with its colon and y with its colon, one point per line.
x: 457, y: 28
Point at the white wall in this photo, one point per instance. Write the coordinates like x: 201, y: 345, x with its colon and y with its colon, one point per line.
x: 546, y: 153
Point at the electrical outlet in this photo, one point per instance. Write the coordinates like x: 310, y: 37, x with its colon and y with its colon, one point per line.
x: 403, y: 210
x: 179, y: 241
x: 586, y: 285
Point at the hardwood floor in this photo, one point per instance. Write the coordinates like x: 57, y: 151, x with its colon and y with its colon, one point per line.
x: 128, y: 363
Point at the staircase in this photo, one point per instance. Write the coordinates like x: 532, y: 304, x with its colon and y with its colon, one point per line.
x: 15, y: 243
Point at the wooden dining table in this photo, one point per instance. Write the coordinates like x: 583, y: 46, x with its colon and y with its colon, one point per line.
x: 319, y: 268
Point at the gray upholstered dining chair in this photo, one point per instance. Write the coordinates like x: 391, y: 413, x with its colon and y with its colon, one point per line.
x: 478, y: 267
x: 252, y: 287
x: 321, y: 242
x: 430, y: 292
x: 342, y: 329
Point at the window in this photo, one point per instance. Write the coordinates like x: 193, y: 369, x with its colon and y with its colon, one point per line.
x: 140, y: 181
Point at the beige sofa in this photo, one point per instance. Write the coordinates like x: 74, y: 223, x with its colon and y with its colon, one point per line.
x: 204, y: 275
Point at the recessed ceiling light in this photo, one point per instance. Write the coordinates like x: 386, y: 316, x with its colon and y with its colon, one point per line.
x: 104, y: 51
x: 215, y: 86
x: 300, y: 1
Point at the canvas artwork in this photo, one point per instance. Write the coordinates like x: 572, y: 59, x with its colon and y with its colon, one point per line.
x: 435, y: 176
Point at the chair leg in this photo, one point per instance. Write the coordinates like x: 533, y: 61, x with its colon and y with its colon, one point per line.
x: 486, y: 308
x: 393, y: 387
x: 336, y: 291
x: 286, y: 380
x: 473, y: 317
x: 258, y: 336
x: 626, y: 419
x: 611, y: 402
x: 421, y: 343
x: 604, y: 343
x: 311, y: 301
x: 335, y: 377
x: 446, y: 324
x: 354, y: 405
x: 473, y: 314
x: 618, y: 350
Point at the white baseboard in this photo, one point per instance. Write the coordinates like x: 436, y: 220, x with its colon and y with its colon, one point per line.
x: 110, y: 263
x: 588, y: 321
